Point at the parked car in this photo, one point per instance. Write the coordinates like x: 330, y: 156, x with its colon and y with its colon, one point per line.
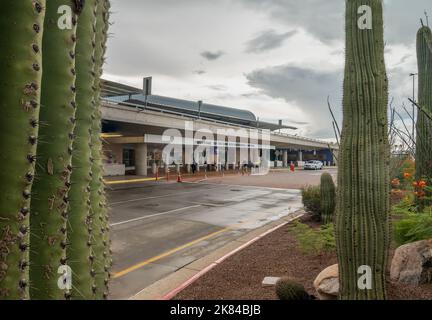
x: 313, y: 165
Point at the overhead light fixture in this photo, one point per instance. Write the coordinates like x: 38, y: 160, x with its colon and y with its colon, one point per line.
x: 110, y: 135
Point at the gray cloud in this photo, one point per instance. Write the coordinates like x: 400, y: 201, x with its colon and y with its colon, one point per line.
x: 165, y: 38
x: 211, y: 56
x: 268, y: 40
x: 325, y: 19
x: 217, y: 87
x: 304, y: 87
x: 200, y: 72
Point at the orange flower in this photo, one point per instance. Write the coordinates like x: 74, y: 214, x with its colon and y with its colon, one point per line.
x: 415, y: 184
x: 407, y: 175
x: 422, y: 184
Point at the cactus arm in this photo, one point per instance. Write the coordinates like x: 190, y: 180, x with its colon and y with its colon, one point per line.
x: 21, y: 25
x: 362, y: 213
x: 49, y: 208
x: 424, y: 123
x: 79, y: 251
x: 97, y: 194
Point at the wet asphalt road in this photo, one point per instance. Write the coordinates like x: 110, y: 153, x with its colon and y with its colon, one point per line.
x: 159, y: 227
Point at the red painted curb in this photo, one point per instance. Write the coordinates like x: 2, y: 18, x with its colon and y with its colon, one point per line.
x: 187, y: 283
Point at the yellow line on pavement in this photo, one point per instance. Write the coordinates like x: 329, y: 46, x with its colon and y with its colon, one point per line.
x: 166, y: 254
x: 130, y: 181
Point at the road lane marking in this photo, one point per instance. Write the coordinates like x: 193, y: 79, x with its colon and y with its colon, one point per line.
x: 207, y: 204
x: 166, y: 254
x: 153, y: 215
x: 114, y: 182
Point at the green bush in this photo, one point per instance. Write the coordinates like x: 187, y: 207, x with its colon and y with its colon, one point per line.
x: 311, y: 197
x: 314, y: 241
x: 287, y: 289
x: 413, y: 227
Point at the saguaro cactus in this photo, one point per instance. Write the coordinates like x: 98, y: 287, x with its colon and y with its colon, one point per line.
x: 328, y: 198
x: 362, y: 222
x: 424, y: 124
x: 79, y: 252
x: 49, y: 207
x: 21, y: 25
x: 99, y: 212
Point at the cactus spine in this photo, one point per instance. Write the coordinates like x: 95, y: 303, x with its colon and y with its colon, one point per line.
x: 99, y: 211
x: 424, y: 124
x: 328, y: 198
x: 362, y: 213
x: 79, y: 252
x: 49, y: 207
x: 21, y: 25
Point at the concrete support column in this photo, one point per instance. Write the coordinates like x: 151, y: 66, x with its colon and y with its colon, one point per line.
x: 188, y: 168
x: 154, y: 168
x: 285, y: 158
x: 300, y: 156
x: 141, y: 159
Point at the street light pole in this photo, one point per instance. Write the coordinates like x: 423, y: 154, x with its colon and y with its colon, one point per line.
x: 413, y: 75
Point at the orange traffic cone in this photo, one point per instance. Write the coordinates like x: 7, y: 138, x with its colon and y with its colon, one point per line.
x: 179, y: 178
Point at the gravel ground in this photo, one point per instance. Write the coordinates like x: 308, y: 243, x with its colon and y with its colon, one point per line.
x: 276, y: 255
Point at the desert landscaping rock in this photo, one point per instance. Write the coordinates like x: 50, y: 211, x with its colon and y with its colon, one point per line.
x: 270, y: 281
x: 412, y: 263
x: 327, y: 283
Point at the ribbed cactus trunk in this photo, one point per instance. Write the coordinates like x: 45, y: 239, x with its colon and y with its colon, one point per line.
x: 21, y: 29
x: 99, y: 211
x: 328, y: 198
x: 362, y: 213
x: 79, y: 233
x: 54, y: 163
x: 424, y: 124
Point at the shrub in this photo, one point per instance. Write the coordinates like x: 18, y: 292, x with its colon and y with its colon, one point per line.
x: 313, y: 241
x: 413, y: 227
x: 311, y: 197
x: 287, y: 289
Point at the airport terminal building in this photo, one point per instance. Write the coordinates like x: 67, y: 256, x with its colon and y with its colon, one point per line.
x: 135, y: 122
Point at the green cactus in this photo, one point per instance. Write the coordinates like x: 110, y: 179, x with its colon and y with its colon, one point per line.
x: 328, y: 198
x: 362, y: 211
x: 287, y: 289
x: 49, y: 208
x: 79, y: 252
x: 21, y: 25
x: 424, y: 123
x: 97, y: 194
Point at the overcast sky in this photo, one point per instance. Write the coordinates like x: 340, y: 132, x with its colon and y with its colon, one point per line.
x: 277, y: 58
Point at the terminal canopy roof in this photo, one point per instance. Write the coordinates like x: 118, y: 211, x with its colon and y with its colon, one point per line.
x: 129, y: 96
